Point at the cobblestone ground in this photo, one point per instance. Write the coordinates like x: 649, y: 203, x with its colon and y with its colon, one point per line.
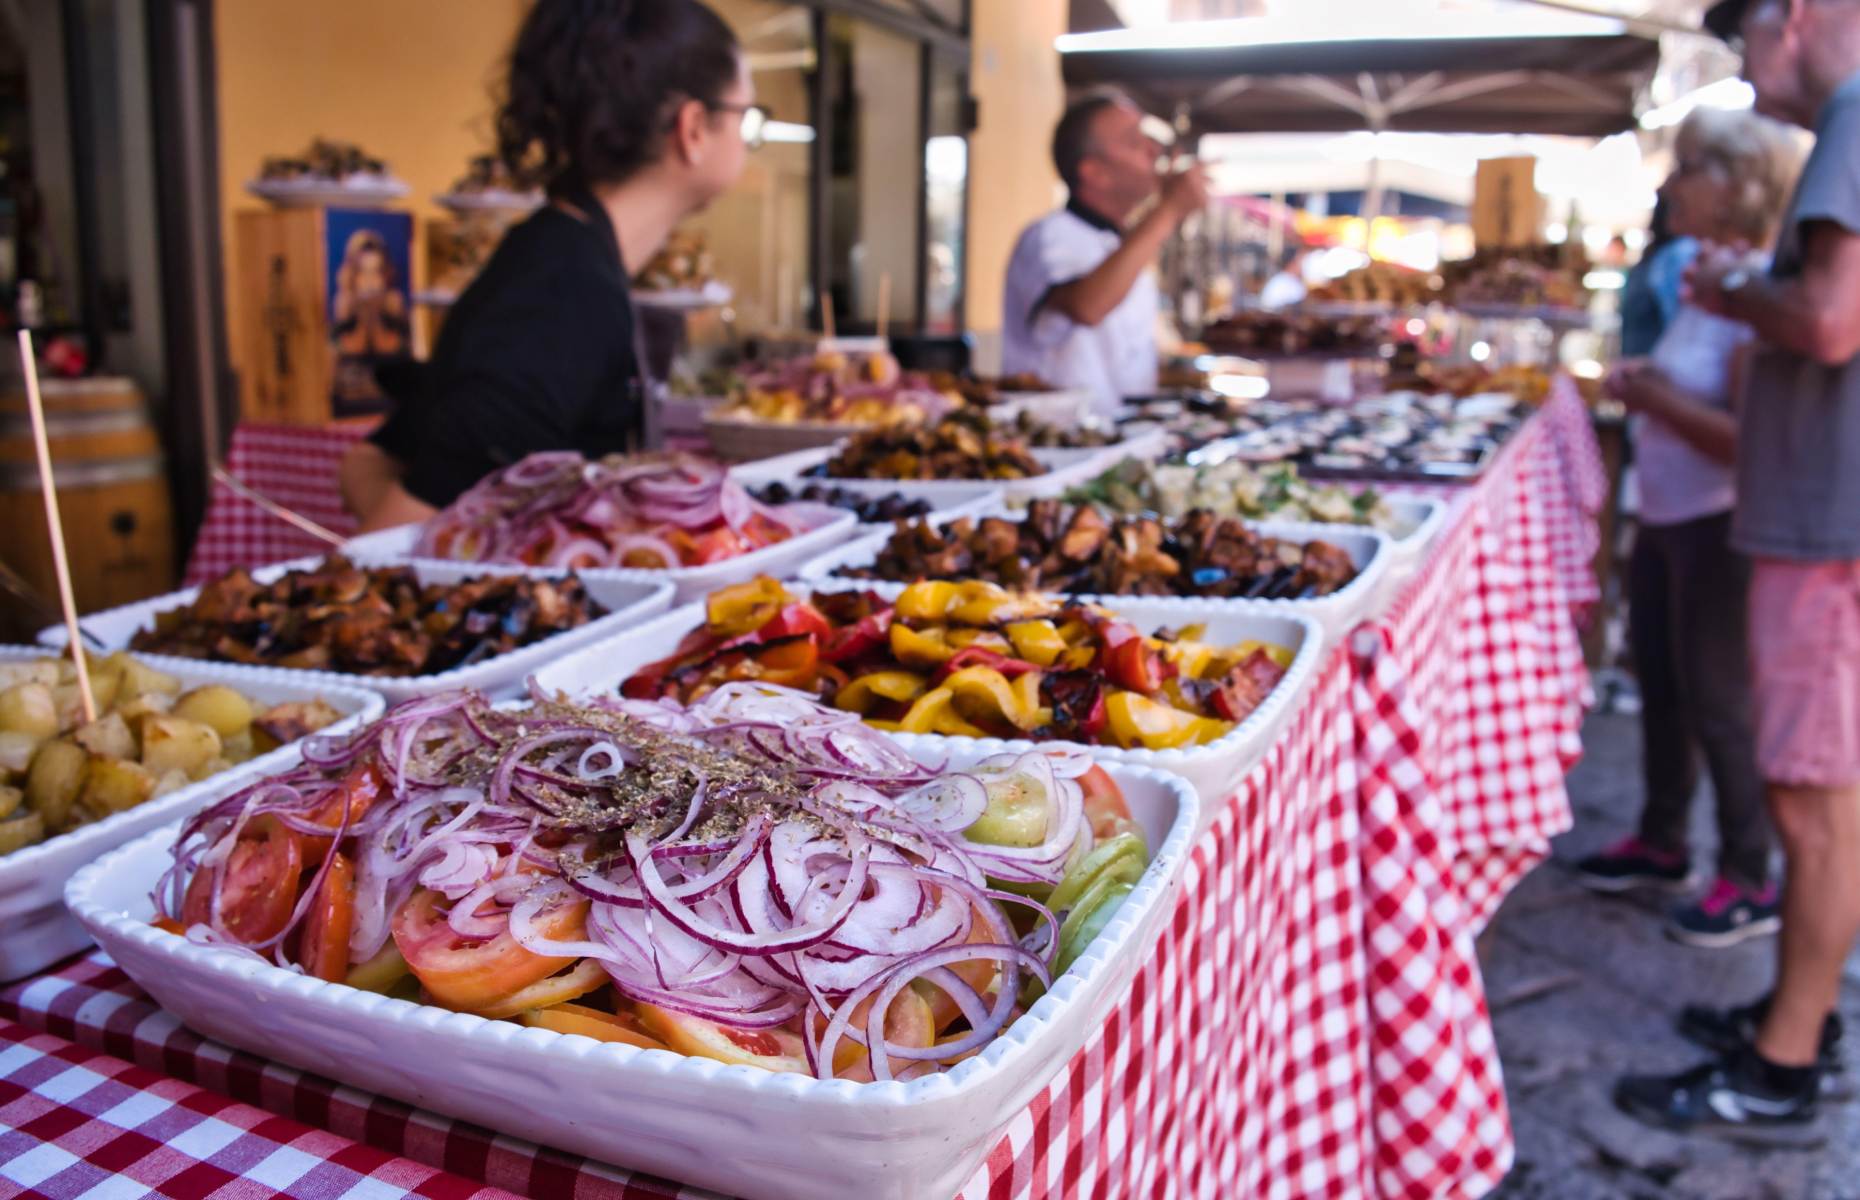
x: 1584, y: 987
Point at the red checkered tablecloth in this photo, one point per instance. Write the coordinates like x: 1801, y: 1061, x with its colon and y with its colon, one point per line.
x: 1312, y: 1022
x: 292, y: 465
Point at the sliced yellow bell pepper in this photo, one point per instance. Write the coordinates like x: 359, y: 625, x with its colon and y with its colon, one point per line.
x: 1038, y: 642
x: 988, y: 691
x: 1027, y: 692
x: 930, y: 648
x: 1137, y: 721
x: 1077, y: 658
x: 860, y: 695
x: 934, y: 712
x: 929, y: 600
x: 744, y: 607
x: 985, y: 639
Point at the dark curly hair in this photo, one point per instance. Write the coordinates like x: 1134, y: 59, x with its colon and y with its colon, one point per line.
x: 594, y: 83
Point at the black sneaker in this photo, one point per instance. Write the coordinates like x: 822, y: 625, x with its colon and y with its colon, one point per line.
x: 1726, y: 915
x: 1724, y: 1099
x: 1728, y: 1030
x: 1631, y: 863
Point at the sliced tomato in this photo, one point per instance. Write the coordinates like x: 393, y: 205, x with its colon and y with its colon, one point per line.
x: 357, y: 793
x: 324, y: 950
x: 1105, y: 806
x: 978, y: 973
x: 909, y: 1022
x: 716, y: 546
x: 593, y: 1023
x: 771, y: 1049
x: 473, y: 975
x: 258, y: 888
x: 168, y: 925
x: 585, y: 976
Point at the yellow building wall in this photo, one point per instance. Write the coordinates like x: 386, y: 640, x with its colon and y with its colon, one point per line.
x: 410, y: 81
x: 1020, y: 97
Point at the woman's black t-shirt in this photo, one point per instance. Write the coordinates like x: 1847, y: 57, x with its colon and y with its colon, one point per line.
x: 538, y: 354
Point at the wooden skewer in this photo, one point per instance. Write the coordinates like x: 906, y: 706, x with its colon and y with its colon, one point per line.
x: 826, y: 314
x: 222, y: 475
x: 56, y: 527
x: 884, y: 303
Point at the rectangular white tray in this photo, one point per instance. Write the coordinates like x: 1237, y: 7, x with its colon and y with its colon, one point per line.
x: 739, y: 1130
x: 627, y: 602
x: 1338, y: 612
x: 1064, y: 469
x: 826, y: 526
x: 35, y: 929
x: 1214, y: 769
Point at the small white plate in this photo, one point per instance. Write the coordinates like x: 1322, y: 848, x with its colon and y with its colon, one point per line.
x: 35, y: 929
x: 739, y: 1130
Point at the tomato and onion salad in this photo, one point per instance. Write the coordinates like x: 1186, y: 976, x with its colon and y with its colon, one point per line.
x: 753, y: 878
x: 559, y: 509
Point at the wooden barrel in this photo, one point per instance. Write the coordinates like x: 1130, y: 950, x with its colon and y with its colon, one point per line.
x: 112, y: 494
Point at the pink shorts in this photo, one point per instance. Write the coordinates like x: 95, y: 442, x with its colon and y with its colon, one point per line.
x: 1805, y: 671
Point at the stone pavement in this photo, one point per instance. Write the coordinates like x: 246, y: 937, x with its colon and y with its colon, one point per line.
x: 1583, y: 987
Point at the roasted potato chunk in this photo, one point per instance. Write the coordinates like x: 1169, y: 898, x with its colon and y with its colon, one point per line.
x: 107, y: 737
x: 29, y: 708
x: 41, y: 670
x: 171, y: 743
x: 54, y: 780
x: 215, y: 705
x: 112, y: 786
x: 139, y: 679
x: 10, y: 800
x: 20, y: 832
x: 16, y: 751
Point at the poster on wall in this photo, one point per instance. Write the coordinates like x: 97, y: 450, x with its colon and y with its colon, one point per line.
x: 368, y: 254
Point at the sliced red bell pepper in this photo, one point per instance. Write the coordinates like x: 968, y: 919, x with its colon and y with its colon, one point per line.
x: 850, y: 641
x: 1133, y: 664
x: 976, y: 656
x: 793, y: 620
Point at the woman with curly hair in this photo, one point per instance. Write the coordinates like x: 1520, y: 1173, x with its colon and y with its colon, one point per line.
x: 631, y: 115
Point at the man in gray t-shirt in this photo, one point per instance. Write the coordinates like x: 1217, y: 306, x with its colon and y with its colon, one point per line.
x: 1798, y: 517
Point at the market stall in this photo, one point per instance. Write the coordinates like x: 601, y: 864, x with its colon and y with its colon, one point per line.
x: 1310, y: 1020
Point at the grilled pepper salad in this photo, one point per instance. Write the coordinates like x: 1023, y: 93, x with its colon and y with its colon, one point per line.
x: 753, y: 878
x: 972, y: 660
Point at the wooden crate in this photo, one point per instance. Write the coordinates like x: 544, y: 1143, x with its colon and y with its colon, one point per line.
x: 326, y: 293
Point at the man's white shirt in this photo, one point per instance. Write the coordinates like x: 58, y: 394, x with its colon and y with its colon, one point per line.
x: 1111, y: 360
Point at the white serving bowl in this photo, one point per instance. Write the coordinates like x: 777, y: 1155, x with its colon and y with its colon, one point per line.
x: 740, y: 1130
x: 35, y: 929
x: 1214, y: 770
x: 825, y: 526
x: 628, y: 603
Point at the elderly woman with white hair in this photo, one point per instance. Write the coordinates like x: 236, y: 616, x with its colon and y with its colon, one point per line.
x: 1687, y: 588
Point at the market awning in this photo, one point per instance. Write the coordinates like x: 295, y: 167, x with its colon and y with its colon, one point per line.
x: 1584, y: 84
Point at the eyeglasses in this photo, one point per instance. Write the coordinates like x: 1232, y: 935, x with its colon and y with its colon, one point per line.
x: 755, y: 121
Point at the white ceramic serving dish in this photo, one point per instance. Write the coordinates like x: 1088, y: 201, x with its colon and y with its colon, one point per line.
x: 35, y: 929
x: 357, y: 192
x: 1214, y: 769
x: 739, y: 1130
x: 1065, y: 408
x: 714, y: 294
x: 1419, y: 520
x: 826, y: 526
x: 1338, y: 613
x: 628, y: 602
x: 947, y: 500
x: 1064, y: 469
x: 740, y: 439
